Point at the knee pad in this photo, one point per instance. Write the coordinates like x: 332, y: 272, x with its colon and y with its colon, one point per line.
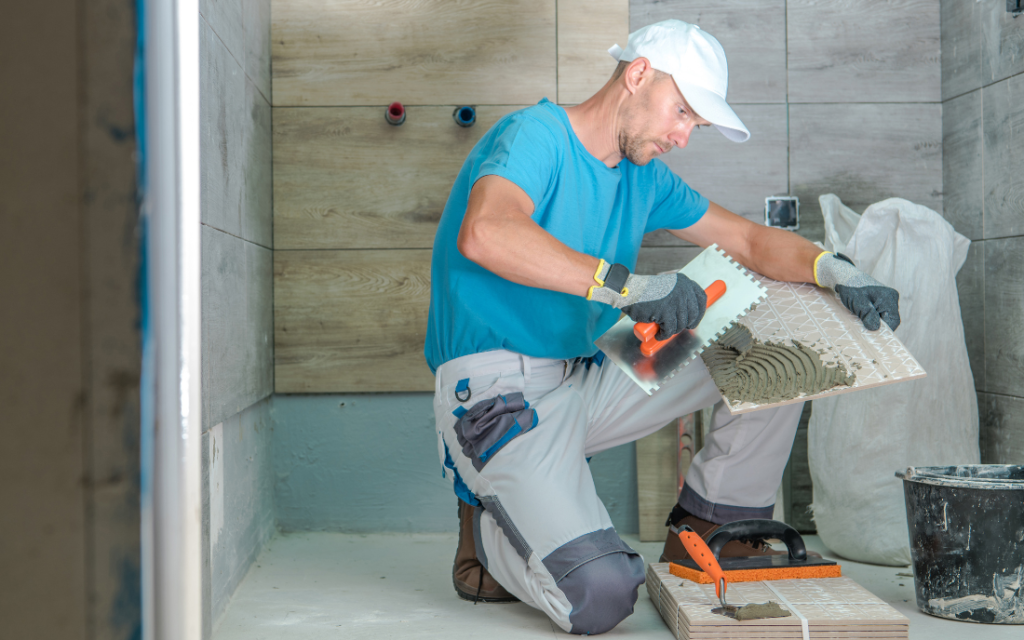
x: 603, y: 591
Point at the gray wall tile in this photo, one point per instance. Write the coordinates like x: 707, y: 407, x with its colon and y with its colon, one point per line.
x: 653, y: 260
x: 257, y: 205
x: 1004, y: 156
x: 259, y: 320
x: 970, y: 285
x: 752, y: 32
x: 1004, y: 316
x: 1002, y: 429
x: 222, y: 114
x: 961, y: 47
x: 962, y: 149
x: 256, y: 23
x: 1002, y: 47
x: 225, y: 17
x: 737, y: 176
x: 864, y: 153
x: 867, y: 51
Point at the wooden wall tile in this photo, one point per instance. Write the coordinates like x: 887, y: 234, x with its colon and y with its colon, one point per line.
x: 586, y: 29
x: 962, y: 191
x: 970, y: 286
x: 1002, y: 46
x: 961, y: 47
x: 863, y: 51
x: 864, y: 153
x: 420, y: 52
x: 657, y: 480
x: 1004, y: 316
x: 1004, y: 156
x: 351, y: 321
x: 737, y: 176
x: 346, y: 179
x: 752, y: 32
x: 1002, y: 429
x: 654, y: 260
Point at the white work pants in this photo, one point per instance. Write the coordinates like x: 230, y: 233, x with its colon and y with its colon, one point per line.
x: 514, y: 435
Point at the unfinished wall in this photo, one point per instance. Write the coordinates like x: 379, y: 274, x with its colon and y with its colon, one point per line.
x: 237, y: 292
x: 69, y: 344
x: 983, y: 152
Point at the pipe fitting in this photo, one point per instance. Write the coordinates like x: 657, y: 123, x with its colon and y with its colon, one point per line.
x: 464, y: 116
x: 395, y: 113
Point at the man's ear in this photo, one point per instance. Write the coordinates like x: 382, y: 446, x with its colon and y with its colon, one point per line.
x: 638, y: 72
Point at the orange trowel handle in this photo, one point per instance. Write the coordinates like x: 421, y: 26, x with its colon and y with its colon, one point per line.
x: 701, y: 554
x: 645, y: 331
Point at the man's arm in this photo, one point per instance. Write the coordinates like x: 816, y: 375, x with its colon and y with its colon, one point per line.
x: 778, y: 254
x: 498, y: 234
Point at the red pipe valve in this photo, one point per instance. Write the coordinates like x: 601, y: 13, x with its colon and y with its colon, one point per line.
x: 395, y: 113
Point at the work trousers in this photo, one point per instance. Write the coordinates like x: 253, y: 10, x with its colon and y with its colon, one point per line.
x: 514, y: 436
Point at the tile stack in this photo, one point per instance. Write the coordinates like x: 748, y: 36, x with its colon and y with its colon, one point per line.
x: 830, y: 608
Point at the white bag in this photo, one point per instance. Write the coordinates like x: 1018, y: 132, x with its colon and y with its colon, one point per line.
x: 856, y: 441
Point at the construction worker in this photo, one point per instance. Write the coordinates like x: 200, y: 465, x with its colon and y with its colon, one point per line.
x: 532, y: 262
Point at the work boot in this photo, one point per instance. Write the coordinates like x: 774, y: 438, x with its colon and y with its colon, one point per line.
x: 472, y: 582
x: 675, y: 551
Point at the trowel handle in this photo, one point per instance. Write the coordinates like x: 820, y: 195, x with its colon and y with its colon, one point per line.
x: 701, y: 554
x: 645, y: 331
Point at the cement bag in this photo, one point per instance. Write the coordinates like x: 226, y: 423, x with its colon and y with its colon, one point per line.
x: 856, y: 441
x: 840, y: 222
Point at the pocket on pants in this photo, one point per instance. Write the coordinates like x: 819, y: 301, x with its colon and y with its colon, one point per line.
x: 489, y: 425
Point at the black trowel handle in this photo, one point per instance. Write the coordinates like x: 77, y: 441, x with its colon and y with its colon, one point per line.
x: 758, y: 530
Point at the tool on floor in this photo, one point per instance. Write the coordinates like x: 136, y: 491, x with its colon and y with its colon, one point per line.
x: 623, y: 344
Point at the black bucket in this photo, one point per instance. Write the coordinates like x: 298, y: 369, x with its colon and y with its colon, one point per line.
x: 967, y: 541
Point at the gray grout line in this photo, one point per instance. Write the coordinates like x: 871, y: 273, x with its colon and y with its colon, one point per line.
x: 228, y: 233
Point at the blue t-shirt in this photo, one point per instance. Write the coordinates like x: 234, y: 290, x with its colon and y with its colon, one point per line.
x: 589, y: 207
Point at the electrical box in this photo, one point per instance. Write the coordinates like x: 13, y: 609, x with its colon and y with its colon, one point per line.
x: 782, y: 212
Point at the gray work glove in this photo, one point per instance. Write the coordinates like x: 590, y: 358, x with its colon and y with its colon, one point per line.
x: 868, y: 298
x: 672, y: 300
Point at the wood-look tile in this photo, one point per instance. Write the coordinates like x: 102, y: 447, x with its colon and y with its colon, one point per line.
x: 736, y: 176
x: 586, y: 29
x: 863, y: 51
x: 864, y: 153
x: 655, y: 260
x: 1002, y: 41
x: 961, y: 47
x: 1002, y: 429
x: 970, y: 286
x: 962, y: 151
x: 752, y: 32
x: 1004, y: 156
x: 1004, y: 316
x: 419, y: 52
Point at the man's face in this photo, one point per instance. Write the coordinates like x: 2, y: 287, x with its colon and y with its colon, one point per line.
x: 657, y: 119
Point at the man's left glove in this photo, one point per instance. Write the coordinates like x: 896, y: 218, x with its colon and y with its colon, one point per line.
x: 863, y: 295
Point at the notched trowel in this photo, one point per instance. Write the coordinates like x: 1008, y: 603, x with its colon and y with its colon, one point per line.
x: 649, y: 362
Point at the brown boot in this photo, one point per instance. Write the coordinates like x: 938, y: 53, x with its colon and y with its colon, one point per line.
x: 472, y: 582
x: 675, y: 551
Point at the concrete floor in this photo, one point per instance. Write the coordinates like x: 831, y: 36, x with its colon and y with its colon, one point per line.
x: 332, y: 585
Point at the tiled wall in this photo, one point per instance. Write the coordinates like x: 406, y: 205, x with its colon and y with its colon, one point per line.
x: 237, y: 295
x: 983, y: 171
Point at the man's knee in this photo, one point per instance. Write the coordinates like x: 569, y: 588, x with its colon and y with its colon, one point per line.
x: 602, y: 590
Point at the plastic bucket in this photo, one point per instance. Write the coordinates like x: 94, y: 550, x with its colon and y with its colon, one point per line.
x: 967, y: 541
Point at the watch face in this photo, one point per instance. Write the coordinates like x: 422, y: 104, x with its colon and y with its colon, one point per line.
x: 782, y: 213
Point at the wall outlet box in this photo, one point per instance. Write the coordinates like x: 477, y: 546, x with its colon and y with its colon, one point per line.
x: 782, y: 212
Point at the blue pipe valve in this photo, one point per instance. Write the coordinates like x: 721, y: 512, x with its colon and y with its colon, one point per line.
x: 464, y: 116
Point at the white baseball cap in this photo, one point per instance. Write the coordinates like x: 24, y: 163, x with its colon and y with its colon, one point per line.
x: 696, y: 61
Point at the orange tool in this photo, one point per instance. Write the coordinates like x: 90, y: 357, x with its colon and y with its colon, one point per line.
x: 645, y: 331
x: 701, y: 553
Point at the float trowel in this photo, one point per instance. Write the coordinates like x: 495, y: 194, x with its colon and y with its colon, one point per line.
x: 649, y: 362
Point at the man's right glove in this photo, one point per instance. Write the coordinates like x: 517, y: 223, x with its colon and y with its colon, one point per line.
x: 863, y: 295
x: 672, y: 300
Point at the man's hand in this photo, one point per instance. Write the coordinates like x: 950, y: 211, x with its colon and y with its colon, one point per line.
x: 871, y: 300
x: 672, y: 300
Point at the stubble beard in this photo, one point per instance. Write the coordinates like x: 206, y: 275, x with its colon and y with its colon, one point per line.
x: 632, y: 144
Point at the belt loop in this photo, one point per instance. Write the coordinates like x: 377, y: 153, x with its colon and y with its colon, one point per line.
x: 526, y: 368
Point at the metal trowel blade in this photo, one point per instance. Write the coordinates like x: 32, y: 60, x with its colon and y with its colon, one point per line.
x: 742, y: 292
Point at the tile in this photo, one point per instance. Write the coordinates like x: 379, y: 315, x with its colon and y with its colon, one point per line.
x: 259, y: 321
x: 256, y: 24
x: 736, y: 176
x: 962, y: 167
x: 654, y: 260
x: 225, y: 18
x: 970, y: 285
x: 1002, y: 41
x: 222, y: 114
x: 864, y: 153
x: 868, y: 51
x: 1004, y: 156
x: 586, y: 28
x: 961, y: 46
x: 1004, y: 316
x: 257, y: 171
x: 752, y: 32
x: 1002, y: 429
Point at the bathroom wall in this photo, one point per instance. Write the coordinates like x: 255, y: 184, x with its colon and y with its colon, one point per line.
x: 983, y: 152
x: 237, y: 292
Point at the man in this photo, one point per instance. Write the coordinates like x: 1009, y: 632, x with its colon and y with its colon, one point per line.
x: 532, y: 262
